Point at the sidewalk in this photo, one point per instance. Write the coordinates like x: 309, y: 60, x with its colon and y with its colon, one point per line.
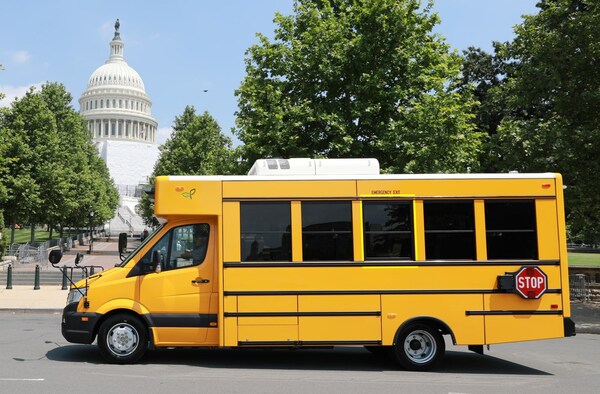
x: 51, y: 298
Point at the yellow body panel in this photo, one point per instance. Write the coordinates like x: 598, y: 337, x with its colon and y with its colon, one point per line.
x: 268, y: 304
x: 502, y: 329
x: 480, y: 234
x: 231, y: 221
x: 450, y: 309
x: 339, y: 303
x: 547, y: 229
x: 271, y: 333
x: 286, y: 189
x: 382, y: 278
x: 340, y: 328
x: 456, y: 188
x: 180, y: 198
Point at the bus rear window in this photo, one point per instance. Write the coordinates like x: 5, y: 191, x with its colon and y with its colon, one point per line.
x: 511, y: 229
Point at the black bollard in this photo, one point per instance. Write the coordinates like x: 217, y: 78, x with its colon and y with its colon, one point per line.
x: 9, y: 277
x: 36, y: 283
x: 64, y: 278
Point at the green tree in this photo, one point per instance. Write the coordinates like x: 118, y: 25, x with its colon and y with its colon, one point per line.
x: 54, y: 173
x: 3, y: 176
x: 553, y: 98
x: 25, y: 126
x: 485, y: 75
x: 357, y: 78
x: 196, y: 147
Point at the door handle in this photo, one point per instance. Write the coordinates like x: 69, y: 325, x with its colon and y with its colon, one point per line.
x: 195, y: 281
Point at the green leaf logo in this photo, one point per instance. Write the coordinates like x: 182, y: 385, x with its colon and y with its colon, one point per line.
x: 189, y: 194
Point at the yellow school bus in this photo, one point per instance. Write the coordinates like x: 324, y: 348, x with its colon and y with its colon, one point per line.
x: 331, y: 253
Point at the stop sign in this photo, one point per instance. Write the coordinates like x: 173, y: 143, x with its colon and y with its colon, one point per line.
x: 531, y: 282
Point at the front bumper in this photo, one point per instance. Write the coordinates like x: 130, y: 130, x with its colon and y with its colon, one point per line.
x: 78, y: 327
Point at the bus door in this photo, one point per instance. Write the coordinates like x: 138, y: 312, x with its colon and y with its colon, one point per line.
x: 178, y: 296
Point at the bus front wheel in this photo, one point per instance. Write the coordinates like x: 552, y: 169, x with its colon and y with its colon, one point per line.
x: 122, y: 339
x: 419, y: 347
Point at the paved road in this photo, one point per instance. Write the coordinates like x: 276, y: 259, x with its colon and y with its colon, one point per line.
x: 35, y: 358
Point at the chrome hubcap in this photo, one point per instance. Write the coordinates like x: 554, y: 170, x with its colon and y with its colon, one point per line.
x: 420, y: 346
x: 122, y: 339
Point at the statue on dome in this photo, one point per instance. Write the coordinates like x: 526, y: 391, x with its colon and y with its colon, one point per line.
x: 117, y: 25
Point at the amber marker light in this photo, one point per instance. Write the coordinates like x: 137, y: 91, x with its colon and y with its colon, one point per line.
x: 179, y: 188
x: 554, y: 306
x: 546, y: 186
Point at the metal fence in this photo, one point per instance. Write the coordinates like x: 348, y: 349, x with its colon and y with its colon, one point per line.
x: 580, y: 287
x: 37, y: 253
x: 29, y: 253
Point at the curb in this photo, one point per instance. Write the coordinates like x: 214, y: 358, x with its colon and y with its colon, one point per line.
x: 31, y: 310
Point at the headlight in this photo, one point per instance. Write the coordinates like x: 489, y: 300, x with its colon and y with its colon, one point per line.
x: 76, y: 294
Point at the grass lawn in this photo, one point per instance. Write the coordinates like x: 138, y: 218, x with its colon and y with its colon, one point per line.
x: 24, y: 235
x: 584, y: 259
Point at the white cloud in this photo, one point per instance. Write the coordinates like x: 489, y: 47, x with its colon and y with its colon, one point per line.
x: 20, y: 56
x: 162, y: 134
x: 13, y: 92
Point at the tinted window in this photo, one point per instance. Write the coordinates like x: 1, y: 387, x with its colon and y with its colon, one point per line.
x: 511, y: 229
x: 449, y: 230
x: 388, y: 230
x: 181, y: 247
x: 265, y: 231
x: 327, y: 230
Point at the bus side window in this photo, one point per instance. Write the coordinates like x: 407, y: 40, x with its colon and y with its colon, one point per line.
x: 327, y: 231
x: 388, y: 230
x: 266, y: 231
x: 511, y: 229
x: 449, y: 230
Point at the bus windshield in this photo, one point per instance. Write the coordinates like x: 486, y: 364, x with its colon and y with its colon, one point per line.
x: 144, y: 242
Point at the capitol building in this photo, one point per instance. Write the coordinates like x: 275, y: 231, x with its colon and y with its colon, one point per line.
x: 119, y: 118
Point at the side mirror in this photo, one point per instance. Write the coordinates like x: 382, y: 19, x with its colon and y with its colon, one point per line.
x: 122, y: 243
x: 156, y: 258
x: 78, y: 258
x: 55, y: 256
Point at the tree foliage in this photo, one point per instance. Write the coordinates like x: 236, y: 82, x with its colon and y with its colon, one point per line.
x: 357, y: 78
x: 52, y: 171
x: 553, y: 98
x: 196, y: 147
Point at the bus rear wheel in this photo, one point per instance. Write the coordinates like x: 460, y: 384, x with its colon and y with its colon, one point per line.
x: 122, y: 339
x: 419, y: 347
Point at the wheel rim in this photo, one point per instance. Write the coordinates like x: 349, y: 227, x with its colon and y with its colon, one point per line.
x: 420, y: 347
x: 122, y: 339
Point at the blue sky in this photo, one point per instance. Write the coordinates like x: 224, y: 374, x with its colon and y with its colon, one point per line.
x: 182, y: 47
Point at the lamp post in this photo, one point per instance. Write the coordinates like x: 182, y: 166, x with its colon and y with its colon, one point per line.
x: 91, y: 233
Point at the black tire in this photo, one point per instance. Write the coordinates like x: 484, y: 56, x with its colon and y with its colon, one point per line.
x: 122, y: 339
x: 419, y: 347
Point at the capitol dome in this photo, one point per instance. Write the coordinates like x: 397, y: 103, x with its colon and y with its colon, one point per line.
x: 119, y: 118
x: 115, y: 102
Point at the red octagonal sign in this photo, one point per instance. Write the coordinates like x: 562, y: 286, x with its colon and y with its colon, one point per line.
x: 531, y: 282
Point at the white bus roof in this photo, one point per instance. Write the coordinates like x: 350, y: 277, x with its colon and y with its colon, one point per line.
x: 304, y: 166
